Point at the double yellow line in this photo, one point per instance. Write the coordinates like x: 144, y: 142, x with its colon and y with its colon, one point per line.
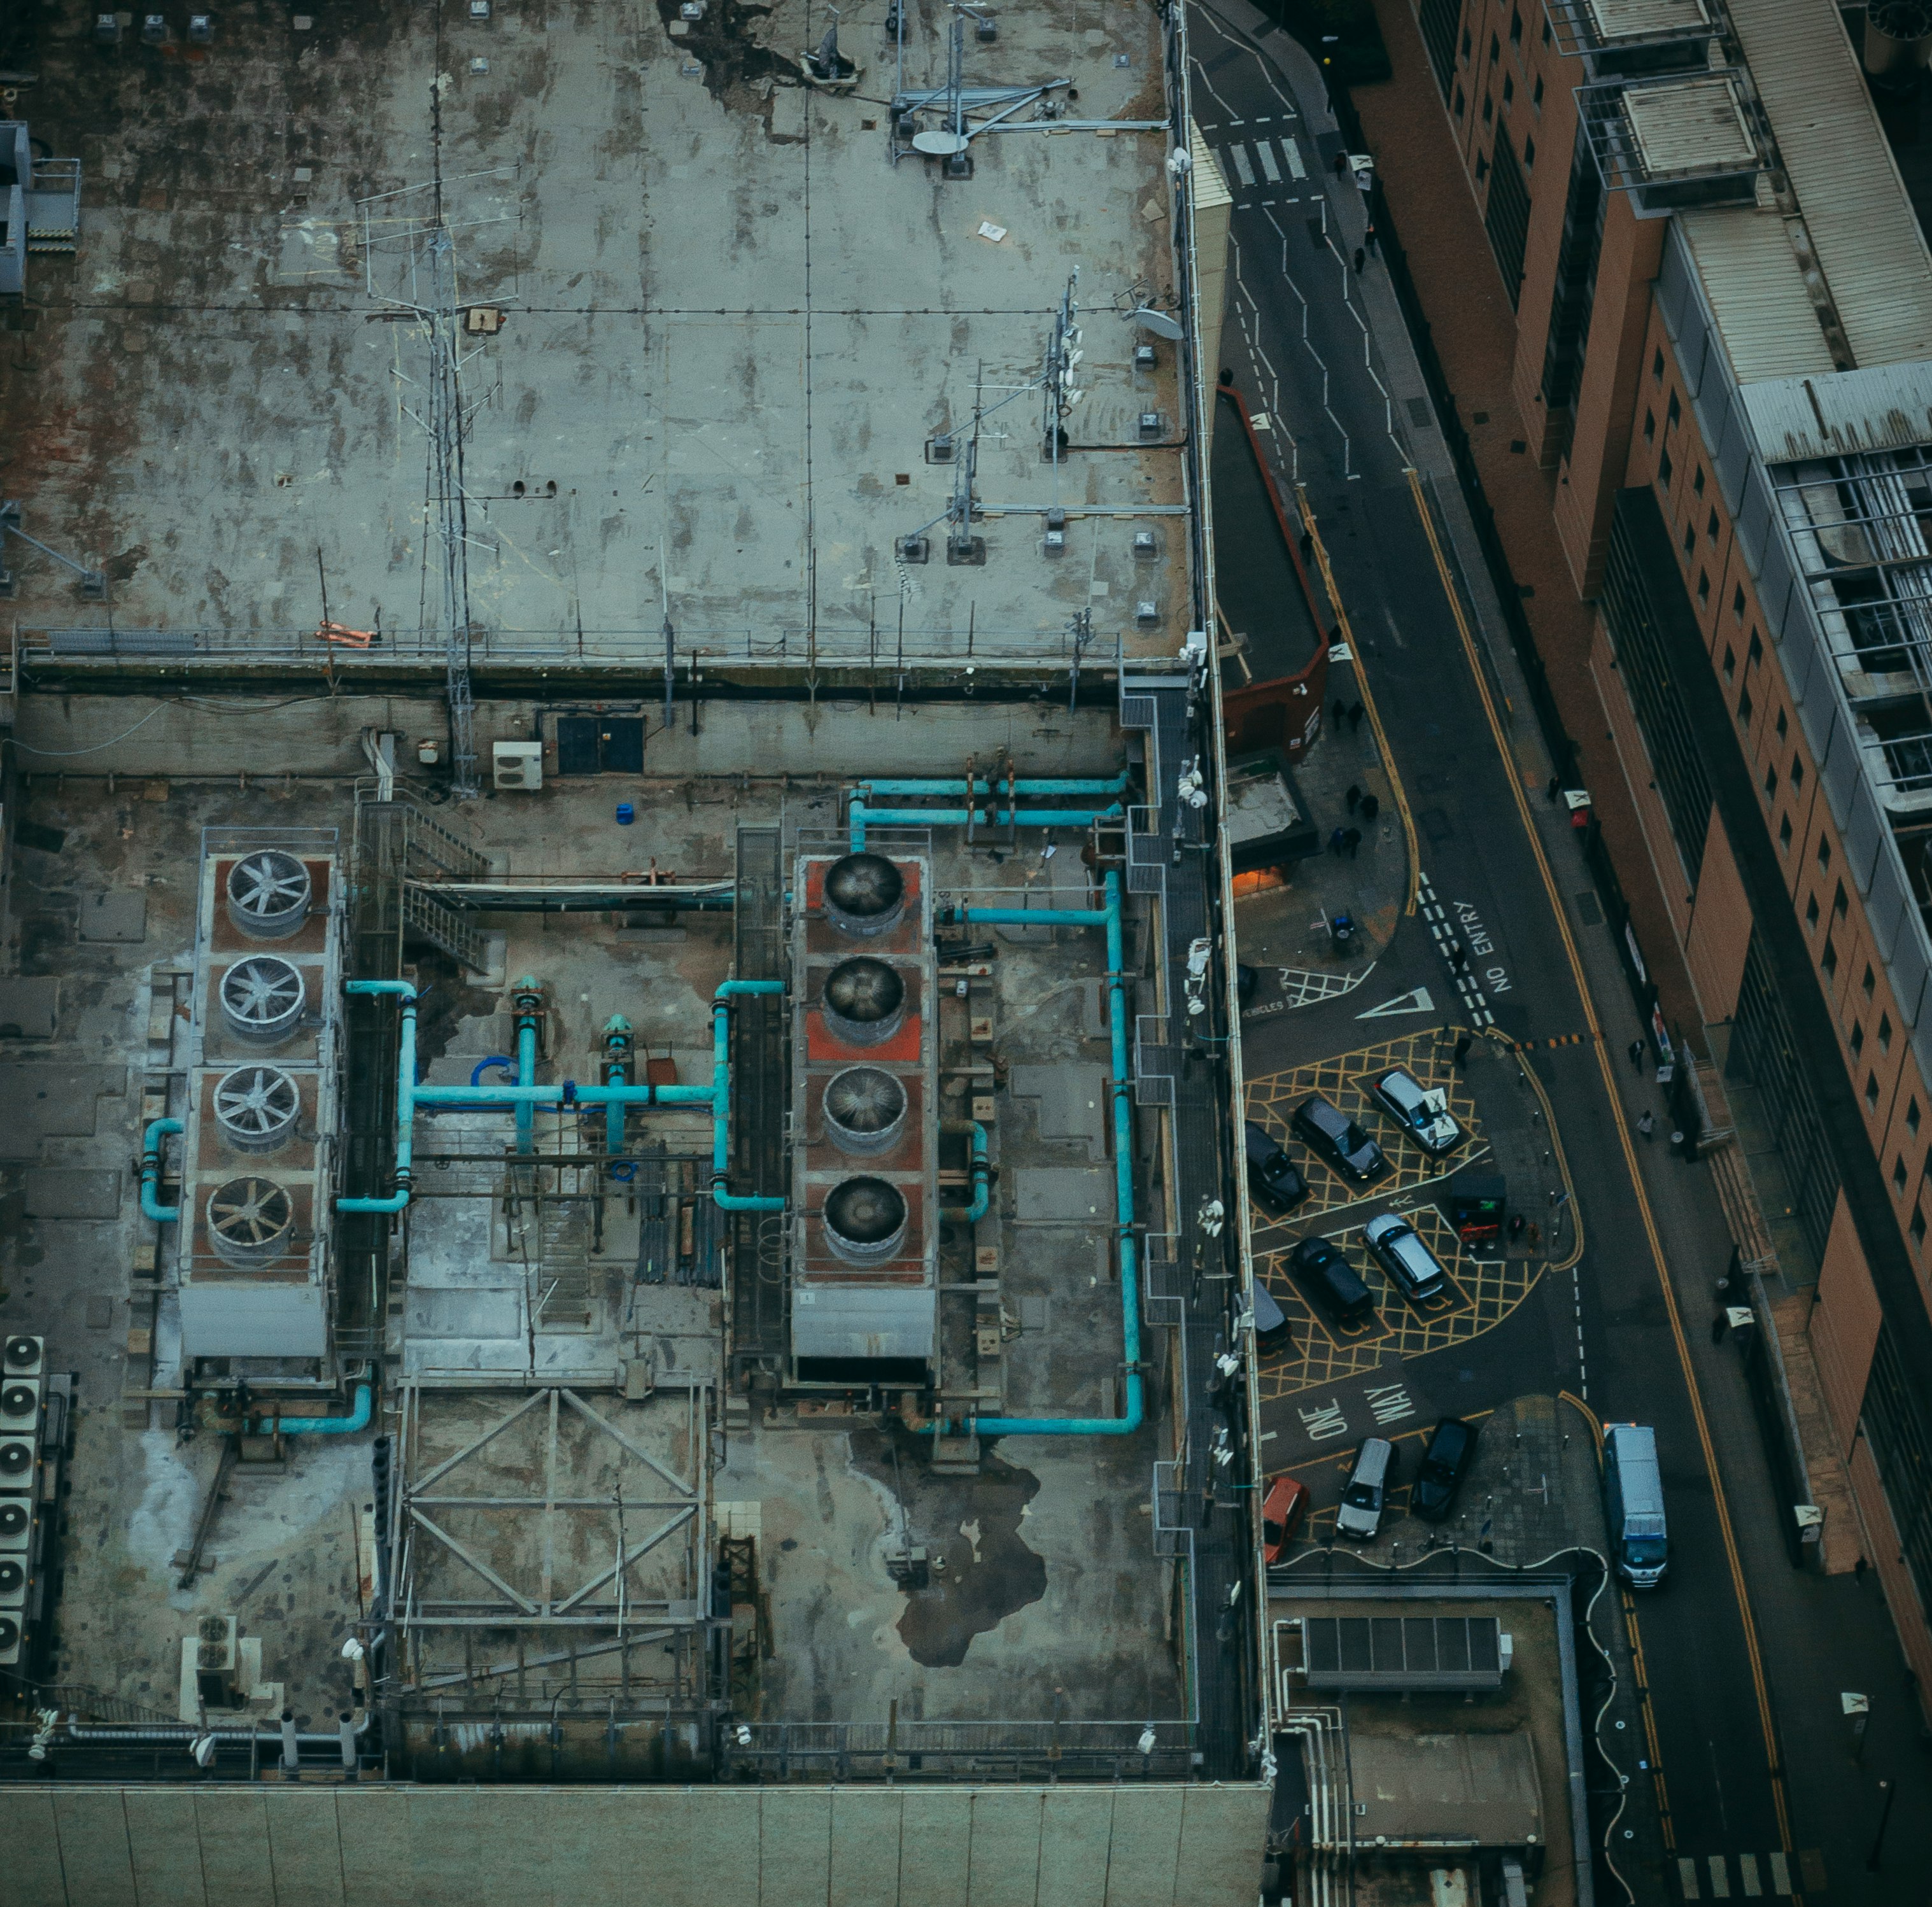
x: 1748, y: 1623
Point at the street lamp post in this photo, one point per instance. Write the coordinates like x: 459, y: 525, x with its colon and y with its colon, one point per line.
x: 1888, y: 1789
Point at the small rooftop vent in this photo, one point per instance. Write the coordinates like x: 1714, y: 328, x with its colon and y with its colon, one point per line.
x: 19, y: 1400
x: 864, y: 895
x: 13, y: 1516
x: 865, y: 1221
x: 864, y: 1000
x: 268, y: 895
x: 17, y: 1453
x: 22, y: 1357
x: 865, y: 1109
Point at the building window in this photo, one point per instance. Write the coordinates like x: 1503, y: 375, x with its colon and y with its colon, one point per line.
x: 1529, y: 154
x: 1711, y: 528
x: 1657, y: 368
x: 1650, y: 427
x: 1797, y: 767
x: 1509, y: 90
x: 1754, y: 655
x: 1918, y: 1227
x: 1482, y: 163
x: 1697, y: 481
x: 1460, y: 102
x: 1545, y: 31
x: 1830, y: 962
x: 1489, y: 113
x: 1730, y: 662
x: 1895, y: 1429
x: 1536, y: 92
x: 1898, y: 1176
x: 1824, y: 854
x: 1911, y: 1117
x: 1871, y: 1092
x: 1663, y: 470
x: 1771, y: 784
x: 1703, y: 590
x: 1516, y: 28
x: 1782, y: 724
x: 1465, y: 43
x: 1744, y: 711
x: 1690, y: 540
x: 1811, y: 914
x: 1784, y: 834
x: 1857, y: 1039
x: 1839, y: 903
x: 1737, y: 603
x: 1495, y: 49
x: 1869, y: 982
x: 1672, y: 412
x: 1884, y: 1032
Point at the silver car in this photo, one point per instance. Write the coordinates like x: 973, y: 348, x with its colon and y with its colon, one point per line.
x: 1367, y: 1491
x: 1423, y: 1115
x: 1414, y: 1269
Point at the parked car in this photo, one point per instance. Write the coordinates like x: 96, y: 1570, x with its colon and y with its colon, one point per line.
x: 1331, y: 1282
x: 1366, y: 1493
x: 1246, y: 980
x: 1424, y: 1114
x: 1413, y: 1268
x: 1273, y: 1334
x: 1282, y: 1509
x: 1339, y: 1139
x: 1273, y: 1177
x: 1445, y: 1462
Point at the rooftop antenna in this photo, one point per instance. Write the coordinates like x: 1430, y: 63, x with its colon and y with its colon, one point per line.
x: 953, y: 101
x: 828, y: 66
x: 1057, y: 394
x: 670, y: 637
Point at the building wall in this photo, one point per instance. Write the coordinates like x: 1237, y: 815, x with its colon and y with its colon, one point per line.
x: 1719, y: 933
x: 1844, y: 1326
x: 375, y: 1845
x: 1882, y: 1546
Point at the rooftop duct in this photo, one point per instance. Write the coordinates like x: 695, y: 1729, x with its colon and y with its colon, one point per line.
x: 865, y: 1221
x: 864, y: 1000
x: 864, y: 895
x: 865, y: 1109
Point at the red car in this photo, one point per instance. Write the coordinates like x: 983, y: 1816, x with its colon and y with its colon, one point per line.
x: 1282, y: 1509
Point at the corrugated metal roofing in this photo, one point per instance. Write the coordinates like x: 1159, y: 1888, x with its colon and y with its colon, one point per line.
x: 1633, y: 20
x: 1874, y: 255
x: 1841, y: 413
x: 1757, y: 294
x: 1690, y: 125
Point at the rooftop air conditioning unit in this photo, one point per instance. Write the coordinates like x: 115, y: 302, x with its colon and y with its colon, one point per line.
x: 518, y: 766
x: 217, y: 1649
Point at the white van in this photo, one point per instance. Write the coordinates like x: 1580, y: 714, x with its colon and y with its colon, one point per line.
x: 1366, y: 1490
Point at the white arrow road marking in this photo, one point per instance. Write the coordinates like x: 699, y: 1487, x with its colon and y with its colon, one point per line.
x: 1416, y: 1001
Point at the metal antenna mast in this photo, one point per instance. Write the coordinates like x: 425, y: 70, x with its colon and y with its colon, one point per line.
x: 444, y: 417
x: 1058, y: 395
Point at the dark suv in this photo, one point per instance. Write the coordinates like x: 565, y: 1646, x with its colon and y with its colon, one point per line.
x: 1273, y: 1177
x: 1452, y: 1446
x: 1339, y: 1139
x: 1331, y: 1282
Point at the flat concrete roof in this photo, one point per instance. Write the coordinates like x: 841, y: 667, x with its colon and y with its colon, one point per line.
x: 728, y: 325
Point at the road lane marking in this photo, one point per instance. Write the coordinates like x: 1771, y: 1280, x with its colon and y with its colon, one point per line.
x: 1291, y: 151
x: 1720, y: 1877
x: 1780, y: 1874
x: 1264, y: 152
x: 1747, y: 1871
x: 1687, y: 1873
x: 1239, y: 153
x: 1416, y: 1001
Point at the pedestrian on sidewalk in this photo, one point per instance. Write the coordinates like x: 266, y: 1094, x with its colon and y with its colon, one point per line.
x: 1372, y: 806
x: 1645, y: 1124
x: 1355, y: 714
x: 1461, y: 1054
x: 1515, y: 1226
x: 1369, y: 237
x: 1341, y: 164
x: 1351, y: 842
x: 1353, y: 798
x: 1336, y: 841
x: 1535, y: 1234
x: 1720, y: 1325
x: 1636, y: 1055
x: 1554, y: 789
x: 1341, y: 712
x: 1361, y: 258
x: 1307, y: 542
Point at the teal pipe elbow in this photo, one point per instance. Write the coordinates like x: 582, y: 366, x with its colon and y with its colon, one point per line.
x: 406, y: 1099
x: 1124, y: 1183
x: 157, y: 1130
x: 982, y: 1175
x: 357, y: 1419
x: 722, y: 1194
x: 401, y: 987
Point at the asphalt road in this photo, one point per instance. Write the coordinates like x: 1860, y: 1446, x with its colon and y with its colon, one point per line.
x: 1297, y: 339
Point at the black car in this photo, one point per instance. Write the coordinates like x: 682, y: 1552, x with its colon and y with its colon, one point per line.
x: 1452, y: 1446
x: 1339, y: 1139
x: 1331, y: 1282
x: 1273, y: 1177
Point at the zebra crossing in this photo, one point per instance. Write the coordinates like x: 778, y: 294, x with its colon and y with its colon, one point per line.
x: 1710, y: 1877
x: 1268, y: 161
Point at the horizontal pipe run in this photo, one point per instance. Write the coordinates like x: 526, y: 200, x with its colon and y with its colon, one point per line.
x: 861, y: 817
x: 1117, y: 785
x: 157, y: 1130
x: 357, y: 1419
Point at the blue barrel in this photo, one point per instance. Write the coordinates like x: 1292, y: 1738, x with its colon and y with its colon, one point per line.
x: 626, y: 815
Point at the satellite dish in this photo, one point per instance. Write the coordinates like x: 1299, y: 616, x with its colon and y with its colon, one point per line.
x: 938, y: 144
x: 1159, y: 322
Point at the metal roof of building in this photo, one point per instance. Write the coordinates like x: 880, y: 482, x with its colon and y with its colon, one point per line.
x: 1689, y: 126
x: 1842, y: 413
x: 1868, y: 242
x: 1637, y: 20
x: 1756, y: 293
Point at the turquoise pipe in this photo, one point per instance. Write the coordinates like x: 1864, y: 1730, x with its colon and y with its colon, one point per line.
x: 617, y: 1045
x: 1123, y: 1171
x: 861, y: 818
x: 357, y: 1419
x: 1117, y: 786
x: 721, y: 1105
x: 526, y: 1064
x: 151, y: 1170
x: 982, y: 1174
x: 405, y: 1102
